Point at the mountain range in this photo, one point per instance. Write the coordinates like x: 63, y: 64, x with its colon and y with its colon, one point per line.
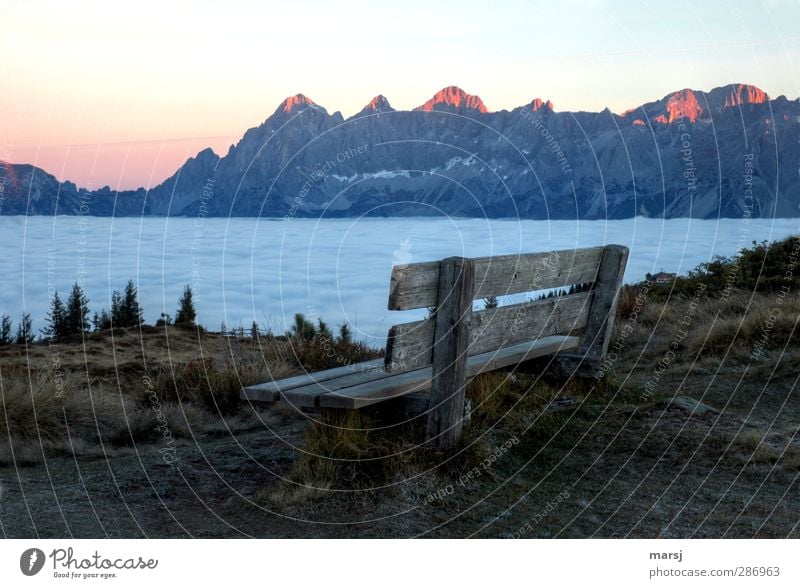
x: 729, y: 152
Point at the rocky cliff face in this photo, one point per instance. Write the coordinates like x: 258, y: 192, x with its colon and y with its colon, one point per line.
x: 729, y: 152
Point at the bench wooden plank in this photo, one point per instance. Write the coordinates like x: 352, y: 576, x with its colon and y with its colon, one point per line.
x: 604, y: 305
x: 271, y: 391
x: 306, y: 395
x: 416, y: 285
x: 452, y: 324
x: 410, y: 345
x: 419, y: 380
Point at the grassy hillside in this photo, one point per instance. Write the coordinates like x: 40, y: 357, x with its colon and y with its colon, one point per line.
x: 689, y: 429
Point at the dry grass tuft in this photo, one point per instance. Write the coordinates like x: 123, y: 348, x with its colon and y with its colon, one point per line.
x: 50, y: 417
x: 766, y: 324
x: 203, y: 384
x: 755, y: 448
x: 487, y: 393
x: 363, y: 451
x: 791, y: 461
x: 103, y: 397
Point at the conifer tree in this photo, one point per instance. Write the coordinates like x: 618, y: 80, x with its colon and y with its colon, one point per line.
x: 56, y: 319
x: 5, y: 331
x: 302, y: 328
x: 25, y: 330
x: 131, y: 311
x: 101, y: 321
x: 323, y: 332
x: 186, y: 315
x: 344, y: 334
x: 117, y: 319
x: 77, y: 312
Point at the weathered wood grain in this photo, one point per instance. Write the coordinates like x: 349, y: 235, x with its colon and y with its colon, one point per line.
x: 410, y: 345
x: 305, y: 396
x: 452, y: 322
x: 271, y: 391
x: 401, y: 384
x: 416, y: 285
x: 604, y: 304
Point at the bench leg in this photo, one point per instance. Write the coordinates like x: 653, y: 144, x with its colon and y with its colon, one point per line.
x: 450, y: 349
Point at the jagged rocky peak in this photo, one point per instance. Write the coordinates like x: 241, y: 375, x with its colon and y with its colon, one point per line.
x: 691, y: 105
x: 683, y: 103
x: 294, y: 105
x: 206, y: 154
x: 376, y: 105
x: 379, y: 103
x: 296, y: 101
x: 453, y: 98
x: 739, y: 94
x: 275, y: 154
x: 538, y: 104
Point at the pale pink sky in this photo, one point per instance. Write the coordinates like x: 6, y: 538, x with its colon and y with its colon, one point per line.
x: 102, y: 95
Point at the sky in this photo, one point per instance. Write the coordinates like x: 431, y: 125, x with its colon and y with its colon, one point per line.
x: 121, y: 94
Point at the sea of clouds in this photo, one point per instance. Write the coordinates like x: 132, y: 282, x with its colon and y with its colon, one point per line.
x: 267, y: 270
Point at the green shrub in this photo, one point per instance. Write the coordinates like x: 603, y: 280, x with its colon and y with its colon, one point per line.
x: 763, y: 267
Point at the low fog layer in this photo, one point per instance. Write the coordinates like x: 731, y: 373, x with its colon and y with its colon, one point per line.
x: 266, y: 270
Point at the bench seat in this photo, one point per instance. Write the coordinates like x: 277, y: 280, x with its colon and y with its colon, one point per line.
x: 271, y: 391
x: 363, y: 384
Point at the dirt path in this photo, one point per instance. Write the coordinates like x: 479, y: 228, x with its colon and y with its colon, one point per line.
x: 609, y: 471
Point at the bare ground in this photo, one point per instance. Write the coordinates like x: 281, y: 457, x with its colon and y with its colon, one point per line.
x: 713, y: 452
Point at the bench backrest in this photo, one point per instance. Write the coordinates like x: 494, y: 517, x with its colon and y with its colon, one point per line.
x: 596, y: 273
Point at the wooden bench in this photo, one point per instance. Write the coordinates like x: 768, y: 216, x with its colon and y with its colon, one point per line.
x: 444, y: 351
